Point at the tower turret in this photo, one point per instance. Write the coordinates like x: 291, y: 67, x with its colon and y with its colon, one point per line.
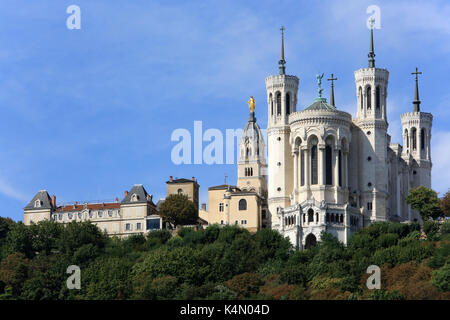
x: 282, y: 101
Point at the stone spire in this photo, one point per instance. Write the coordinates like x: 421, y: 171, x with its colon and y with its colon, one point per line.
x: 371, y: 51
x: 282, y: 62
x: 332, y: 90
x: 416, y: 101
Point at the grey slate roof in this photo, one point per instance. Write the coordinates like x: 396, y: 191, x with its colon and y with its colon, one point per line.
x: 46, y: 201
x: 141, y: 193
x: 321, y: 104
x: 181, y: 180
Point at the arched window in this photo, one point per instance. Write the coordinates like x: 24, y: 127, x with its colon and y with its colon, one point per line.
x: 422, y: 139
x: 341, y: 220
x: 248, y: 152
x: 314, y: 165
x: 377, y: 98
x: 310, y: 241
x: 317, y: 217
x: 328, y: 166
x: 304, y: 218
x: 134, y: 197
x: 302, y: 168
x: 37, y: 204
x: 180, y: 191
x: 271, y: 103
x: 310, y: 215
x: 414, y: 138
x: 278, y: 104
x: 407, y: 138
x: 369, y: 97
x: 361, y: 97
x: 288, y: 103
x: 340, y: 168
x: 332, y: 217
x: 242, y: 204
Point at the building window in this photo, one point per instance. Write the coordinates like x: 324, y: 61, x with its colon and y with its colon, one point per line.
x: 310, y: 215
x: 369, y: 206
x: 80, y: 215
x: 288, y: 103
x: 37, y: 204
x: 369, y: 98
x: 377, y: 98
x: 128, y: 227
x: 243, y: 221
x: 134, y: 197
x: 138, y: 226
x: 221, y: 207
x: 271, y: 103
x: 414, y: 138
x: 278, y: 104
x: 153, y: 224
x: 361, y: 97
x: 422, y: 139
x: 179, y: 191
x: 100, y: 213
x: 314, y: 165
x: 263, y: 214
x: 221, y: 221
x: 236, y: 222
x: 328, y: 166
x: 407, y: 138
x: 110, y: 213
x: 340, y: 167
x: 242, y: 204
x: 70, y: 215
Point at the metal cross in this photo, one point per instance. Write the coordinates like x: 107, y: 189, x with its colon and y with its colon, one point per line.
x: 332, y: 79
x: 282, y: 29
x: 417, y: 72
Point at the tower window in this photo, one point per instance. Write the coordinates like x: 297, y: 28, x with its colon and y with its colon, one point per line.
x: 369, y: 158
x: 242, y: 204
x: 328, y: 166
x: 278, y: 104
x: 407, y: 138
x: 288, y: 103
x: 278, y: 189
x: 302, y: 168
x: 369, y: 98
x: 414, y: 138
x: 271, y: 103
x: 369, y: 184
x: 361, y: 98
x: 377, y: 98
x: 422, y: 139
x: 369, y: 206
x: 221, y: 207
x: 314, y: 165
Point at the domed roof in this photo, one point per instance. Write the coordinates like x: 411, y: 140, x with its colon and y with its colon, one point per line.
x: 321, y: 104
x: 252, y: 131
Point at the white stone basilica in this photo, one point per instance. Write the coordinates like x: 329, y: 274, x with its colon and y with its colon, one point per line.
x: 329, y: 172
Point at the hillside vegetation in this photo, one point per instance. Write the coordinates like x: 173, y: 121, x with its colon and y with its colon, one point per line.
x: 222, y: 263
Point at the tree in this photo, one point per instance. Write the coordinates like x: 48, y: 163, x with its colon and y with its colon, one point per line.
x: 426, y: 201
x: 445, y: 204
x: 177, y: 209
x: 245, y: 284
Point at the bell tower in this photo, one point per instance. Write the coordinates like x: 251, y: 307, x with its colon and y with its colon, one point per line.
x: 371, y: 92
x: 416, y: 130
x: 282, y: 101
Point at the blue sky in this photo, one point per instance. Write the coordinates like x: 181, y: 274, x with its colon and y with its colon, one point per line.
x: 88, y: 113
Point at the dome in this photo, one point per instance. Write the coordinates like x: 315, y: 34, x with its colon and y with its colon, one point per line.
x: 252, y: 142
x: 321, y: 104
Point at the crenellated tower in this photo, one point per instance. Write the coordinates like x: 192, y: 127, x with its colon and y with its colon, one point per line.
x: 371, y: 91
x: 416, y: 130
x: 282, y: 101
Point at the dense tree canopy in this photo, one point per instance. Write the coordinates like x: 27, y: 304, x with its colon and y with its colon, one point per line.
x: 177, y: 209
x: 426, y: 201
x: 222, y: 263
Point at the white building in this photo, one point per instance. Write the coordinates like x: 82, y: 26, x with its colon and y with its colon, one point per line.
x: 330, y: 172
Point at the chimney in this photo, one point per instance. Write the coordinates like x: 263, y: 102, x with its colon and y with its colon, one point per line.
x: 193, y: 178
x: 171, y: 178
x: 117, y: 199
x: 54, y: 201
x: 204, y: 206
x: 126, y: 193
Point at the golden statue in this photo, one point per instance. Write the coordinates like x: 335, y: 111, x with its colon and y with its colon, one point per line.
x: 251, y: 104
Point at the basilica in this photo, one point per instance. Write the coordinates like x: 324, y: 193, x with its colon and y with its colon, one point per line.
x: 327, y: 171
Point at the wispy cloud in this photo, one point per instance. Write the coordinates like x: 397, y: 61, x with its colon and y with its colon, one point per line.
x: 10, y: 191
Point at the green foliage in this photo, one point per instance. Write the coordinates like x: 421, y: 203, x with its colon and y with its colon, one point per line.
x: 221, y: 263
x: 425, y: 201
x: 441, y: 278
x: 178, y: 209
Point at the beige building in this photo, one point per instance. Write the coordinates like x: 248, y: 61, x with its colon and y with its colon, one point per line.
x: 135, y: 214
x: 184, y: 186
x: 245, y: 204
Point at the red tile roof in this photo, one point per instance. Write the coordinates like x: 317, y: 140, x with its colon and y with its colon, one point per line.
x: 93, y: 206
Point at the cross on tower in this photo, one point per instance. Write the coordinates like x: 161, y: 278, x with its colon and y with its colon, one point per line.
x: 417, y: 72
x: 416, y: 101
x: 332, y: 89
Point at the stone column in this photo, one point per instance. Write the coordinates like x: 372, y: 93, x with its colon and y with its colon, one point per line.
x: 336, y: 165
x: 344, y: 156
x: 295, y: 155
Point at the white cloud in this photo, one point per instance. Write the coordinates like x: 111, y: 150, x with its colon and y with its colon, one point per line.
x: 8, y: 190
